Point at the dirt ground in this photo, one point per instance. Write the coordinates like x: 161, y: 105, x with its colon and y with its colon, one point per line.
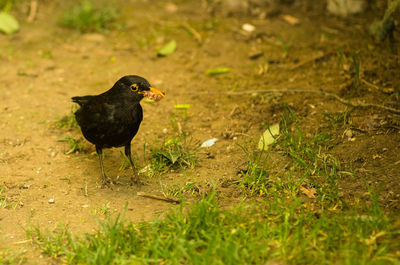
x: 44, y: 65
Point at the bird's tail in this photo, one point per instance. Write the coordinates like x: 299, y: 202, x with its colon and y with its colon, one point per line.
x: 81, y: 100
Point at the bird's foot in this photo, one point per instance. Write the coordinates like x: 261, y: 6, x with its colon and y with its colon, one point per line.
x: 135, y: 180
x: 107, y: 183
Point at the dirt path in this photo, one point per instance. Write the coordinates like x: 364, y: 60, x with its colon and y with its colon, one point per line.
x: 44, y: 65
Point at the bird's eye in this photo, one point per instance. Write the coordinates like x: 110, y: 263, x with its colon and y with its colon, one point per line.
x: 134, y: 87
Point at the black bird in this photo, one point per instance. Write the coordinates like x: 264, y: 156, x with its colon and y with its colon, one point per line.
x: 112, y: 118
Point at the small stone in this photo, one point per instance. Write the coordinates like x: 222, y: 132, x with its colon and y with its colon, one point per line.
x: 53, y: 154
x: 171, y: 8
x: 248, y: 27
x: 165, y: 130
x: 255, y: 54
x: 346, y: 7
x: 24, y: 187
x: 85, y: 206
x: 349, y: 133
x: 52, y: 200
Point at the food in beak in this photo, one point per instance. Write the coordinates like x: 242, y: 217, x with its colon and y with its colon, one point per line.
x: 154, y: 94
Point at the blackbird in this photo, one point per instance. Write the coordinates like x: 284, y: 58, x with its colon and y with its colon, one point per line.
x: 112, y: 118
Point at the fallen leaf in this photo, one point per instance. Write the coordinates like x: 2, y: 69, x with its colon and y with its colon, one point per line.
x: 263, y: 68
x: 167, y: 49
x: 388, y: 90
x: 268, y: 137
x: 182, y: 106
x: 8, y: 24
x: 218, y: 71
x: 291, y: 19
x: 374, y: 157
x: 209, y: 142
x: 372, y: 239
x: 310, y: 193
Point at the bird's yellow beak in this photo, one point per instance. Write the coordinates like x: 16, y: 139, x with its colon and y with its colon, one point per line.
x: 154, y: 94
x: 157, y: 92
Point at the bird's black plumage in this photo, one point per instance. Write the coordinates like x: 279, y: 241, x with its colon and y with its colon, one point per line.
x: 112, y: 118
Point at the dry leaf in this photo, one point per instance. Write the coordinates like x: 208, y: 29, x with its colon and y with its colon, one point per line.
x: 374, y: 157
x: 388, y: 90
x: 268, y: 137
x: 291, y: 19
x: 310, y: 193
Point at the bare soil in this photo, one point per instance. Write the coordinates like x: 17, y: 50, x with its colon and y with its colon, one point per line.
x: 44, y: 65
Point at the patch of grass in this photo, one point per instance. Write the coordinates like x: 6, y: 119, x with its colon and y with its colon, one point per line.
x: 205, y: 233
x: 85, y: 17
x: 254, y: 178
x: 341, y: 58
x: 68, y: 121
x: 177, y: 190
x: 310, y: 162
x: 125, y: 164
x: 7, y: 257
x: 3, y: 199
x: 342, y: 117
x: 7, y: 203
x: 285, y: 47
x: 7, y: 5
x: 356, y: 63
x: 67, y: 179
x: 74, y: 144
x: 53, y: 242
x: 305, y: 164
x: 177, y: 152
x: 104, y: 209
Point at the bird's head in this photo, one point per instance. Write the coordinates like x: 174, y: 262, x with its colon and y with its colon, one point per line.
x: 139, y: 87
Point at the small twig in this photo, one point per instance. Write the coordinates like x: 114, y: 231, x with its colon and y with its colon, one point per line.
x: 157, y: 197
x: 194, y: 32
x: 309, y: 60
x: 328, y: 94
x: 22, y: 242
x: 178, y: 124
x: 370, y: 84
x: 330, y: 30
x: 32, y: 11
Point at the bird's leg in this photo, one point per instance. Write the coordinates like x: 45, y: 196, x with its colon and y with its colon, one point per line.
x: 135, y: 177
x: 106, y: 180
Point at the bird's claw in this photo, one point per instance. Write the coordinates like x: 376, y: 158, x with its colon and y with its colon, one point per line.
x: 135, y: 180
x: 107, y: 183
